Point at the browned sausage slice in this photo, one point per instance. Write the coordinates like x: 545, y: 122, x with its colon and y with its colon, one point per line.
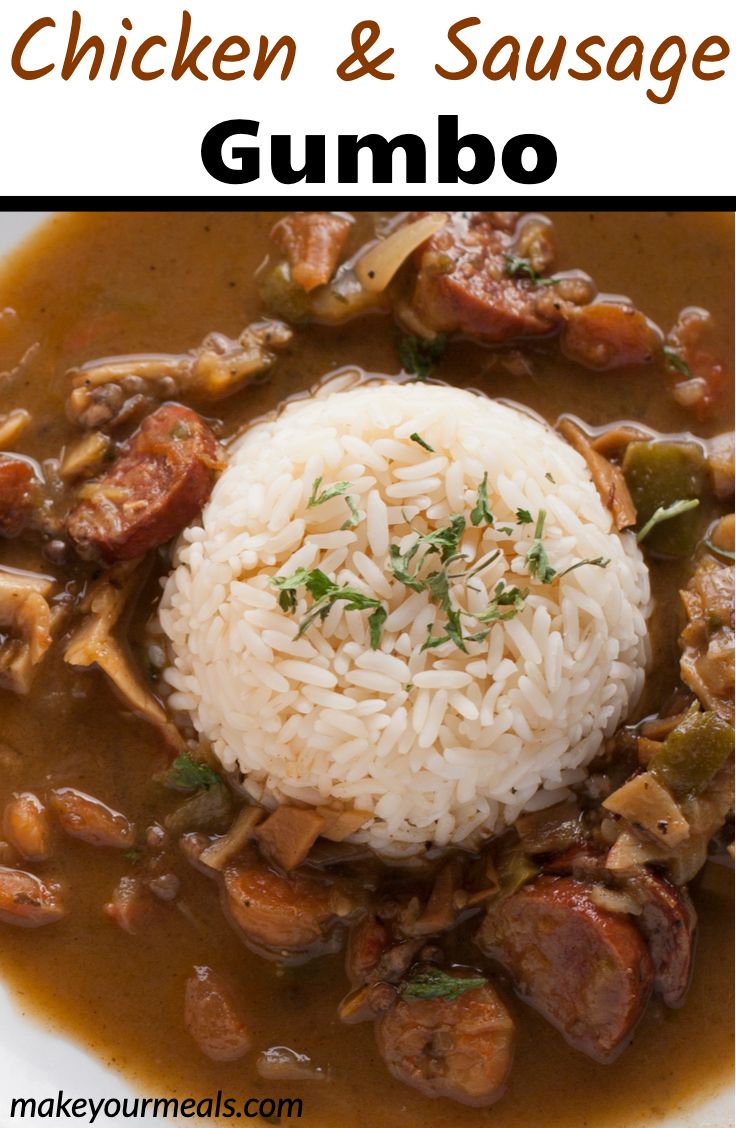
x: 212, y: 1017
x: 458, y: 1048
x: 668, y: 921
x: 587, y: 970
x: 157, y: 485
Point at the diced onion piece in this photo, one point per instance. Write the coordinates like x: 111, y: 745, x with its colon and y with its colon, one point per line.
x: 378, y: 265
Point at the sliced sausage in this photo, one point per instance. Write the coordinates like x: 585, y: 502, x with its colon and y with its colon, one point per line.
x: 587, y: 970
x: 157, y: 485
x: 277, y: 914
x: 462, y: 284
x: 312, y: 243
x: 607, y: 335
x: 668, y: 921
x: 26, y: 826
x: 459, y: 1048
x: 16, y: 481
x: 212, y: 1018
x: 83, y: 816
x: 27, y: 901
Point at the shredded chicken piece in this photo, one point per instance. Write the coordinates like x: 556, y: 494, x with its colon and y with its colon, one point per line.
x: 607, y: 477
x: 707, y: 661
x: 705, y: 815
x: 231, y: 843
x: 94, y: 644
x: 82, y: 459
x: 28, y: 622
x: 104, y: 390
x: 649, y: 808
x: 440, y: 911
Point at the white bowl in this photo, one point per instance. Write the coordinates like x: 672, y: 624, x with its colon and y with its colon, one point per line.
x: 39, y: 1061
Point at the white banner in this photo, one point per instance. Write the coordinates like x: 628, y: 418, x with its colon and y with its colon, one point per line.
x: 641, y: 102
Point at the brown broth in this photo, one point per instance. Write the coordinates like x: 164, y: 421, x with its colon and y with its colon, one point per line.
x: 96, y: 285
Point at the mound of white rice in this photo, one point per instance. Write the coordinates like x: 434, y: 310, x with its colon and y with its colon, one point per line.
x: 435, y: 745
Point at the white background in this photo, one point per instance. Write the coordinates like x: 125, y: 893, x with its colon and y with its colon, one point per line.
x: 142, y: 138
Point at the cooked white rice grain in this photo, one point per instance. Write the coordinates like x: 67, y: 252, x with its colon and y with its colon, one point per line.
x: 440, y: 745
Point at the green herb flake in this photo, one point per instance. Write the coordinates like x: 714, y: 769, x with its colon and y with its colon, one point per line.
x: 133, y: 857
x: 549, y: 478
x: 481, y: 512
x: 675, y: 361
x: 536, y: 559
x: 186, y: 774
x: 506, y: 604
x: 521, y: 268
x: 416, y: 438
x: 437, y: 984
x: 375, y: 625
x: 524, y: 517
x: 419, y: 356
x: 325, y: 593
x: 598, y: 562
x: 664, y: 513
x: 354, y: 518
x: 319, y: 497
x: 506, y: 530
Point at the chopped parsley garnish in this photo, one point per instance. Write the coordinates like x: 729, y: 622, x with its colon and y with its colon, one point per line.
x: 444, y: 541
x: 354, y: 518
x: 549, y: 478
x: 664, y: 513
x: 134, y: 857
x: 437, y: 984
x: 536, y: 559
x: 524, y: 517
x: 318, y: 497
x: 675, y: 361
x: 538, y: 562
x: 325, y: 593
x: 480, y: 511
x: 415, y: 438
x: 505, y: 529
x: 375, y: 625
x: 506, y: 604
x: 418, y: 356
x: 521, y: 268
x: 186, y: 774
